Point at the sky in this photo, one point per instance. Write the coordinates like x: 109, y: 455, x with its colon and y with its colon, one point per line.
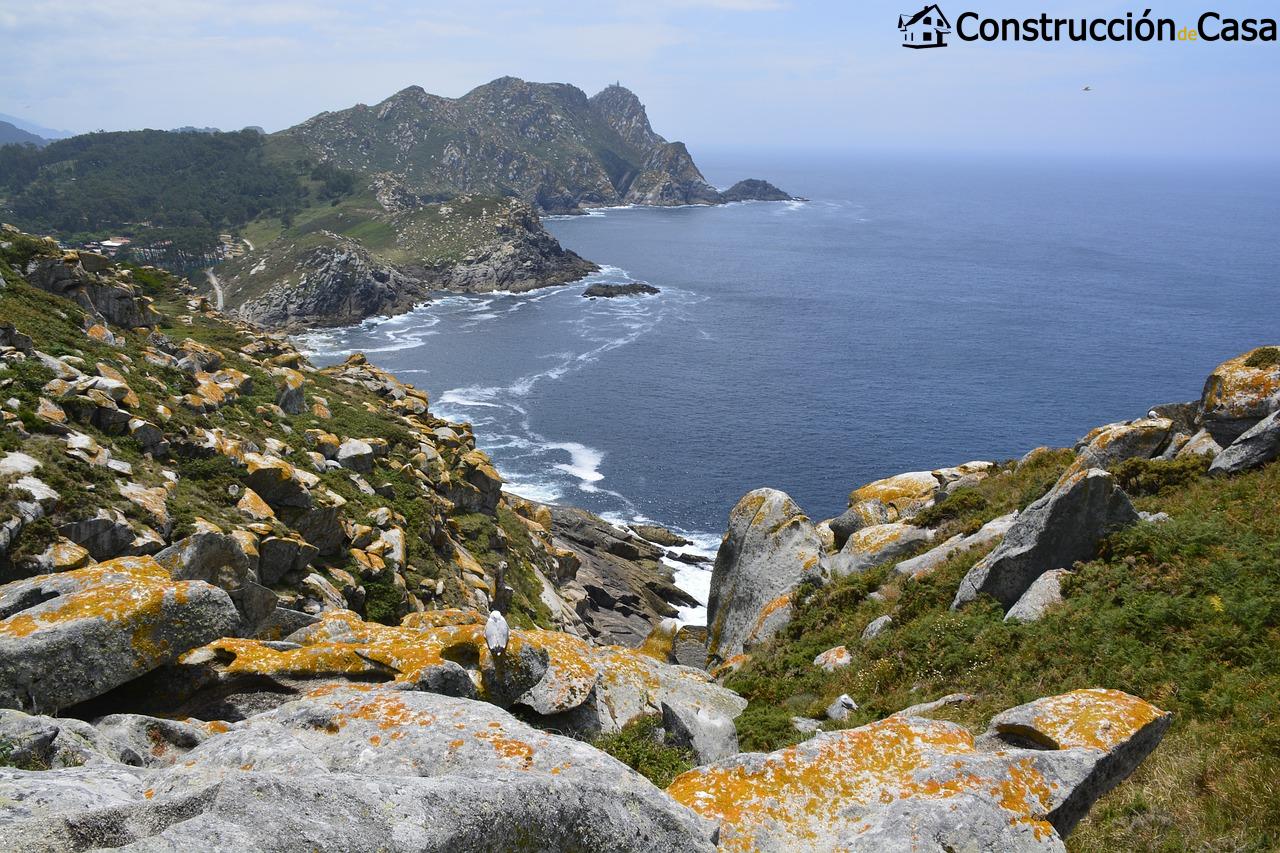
x: 769, y: 73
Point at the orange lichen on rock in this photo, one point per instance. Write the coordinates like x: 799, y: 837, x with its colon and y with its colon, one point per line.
x: 801, y: 791
x: 127, y: 588
x: 1235, y: 390
x: 1096, y: 717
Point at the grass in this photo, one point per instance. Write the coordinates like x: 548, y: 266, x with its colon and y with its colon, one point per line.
x: 1184, y: 613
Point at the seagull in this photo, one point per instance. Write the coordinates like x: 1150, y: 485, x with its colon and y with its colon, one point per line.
x: 496, y: 634
x: 1087, y: 89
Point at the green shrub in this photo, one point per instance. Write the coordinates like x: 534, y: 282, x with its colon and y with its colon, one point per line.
x: 1141, y: 477
x: 640, y: 746
x: 383, y: 602
x: 961, y: 503
x: 1263, y: 357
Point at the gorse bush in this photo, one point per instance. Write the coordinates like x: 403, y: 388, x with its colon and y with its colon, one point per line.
x: 640, y: 746
x: 1263, y: 357
x: 1141, y: 477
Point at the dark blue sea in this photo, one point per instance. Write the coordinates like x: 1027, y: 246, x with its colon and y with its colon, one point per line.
x: 917, y: 311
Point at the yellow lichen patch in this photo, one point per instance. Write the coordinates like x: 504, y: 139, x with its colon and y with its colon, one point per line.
x: 797, y: 795
x: 767, y: 612
x: 899, y: 492
x: 385, y: 709
x: 120, y: 590
x: 874, y: 539
x: 507, y: 747
x: 442, y: 618
x: 733, y: 664
x: 1095, y: 717
x: 661, y: 640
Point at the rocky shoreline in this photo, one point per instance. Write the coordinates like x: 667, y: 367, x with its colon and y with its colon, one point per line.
x: 243, y: 604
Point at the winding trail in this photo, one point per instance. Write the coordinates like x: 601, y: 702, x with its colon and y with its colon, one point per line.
x: 217, y: 288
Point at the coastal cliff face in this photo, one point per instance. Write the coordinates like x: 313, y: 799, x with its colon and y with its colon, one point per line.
x: 324, y: 278
x: 547, y: 143
x: 253, y: 594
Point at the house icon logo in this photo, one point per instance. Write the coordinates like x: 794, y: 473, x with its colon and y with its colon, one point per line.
x: 926, y: 28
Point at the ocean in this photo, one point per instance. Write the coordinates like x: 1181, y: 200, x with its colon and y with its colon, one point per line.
x: 916, y: 311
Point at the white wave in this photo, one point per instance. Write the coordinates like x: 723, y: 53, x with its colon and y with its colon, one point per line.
x: 541, y: 492
x: 584, y: 462
x: 696, y: 581
x: 468, y: 397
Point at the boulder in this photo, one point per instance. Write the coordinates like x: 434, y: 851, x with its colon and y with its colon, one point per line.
x: 876, y: 627
x: 356, y: 455
x: 277, y: 482
x: 1117, y: 729
x: 908, y: 783
x: 770, y: 548
x: 360, y: 769
x: 72, y: 636
x: 876, y: 545
x: 38, y: 742
x: 1113, y: 443
x: 894, y: 498
x: 1256, y: 447
x: 281, y: 555
x: 1059, y: 529
x: 711, y: 735
x: 1200, y: 444
x: 1240, y: 392
x: 105, y: 535
x: 833, y: 659
x: 690, y: 646
x: 1043, y: 593
x: 930, y: 560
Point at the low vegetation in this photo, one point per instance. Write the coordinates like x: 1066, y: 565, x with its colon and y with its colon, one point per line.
x: 642, y: 747
x: 1185, y: 613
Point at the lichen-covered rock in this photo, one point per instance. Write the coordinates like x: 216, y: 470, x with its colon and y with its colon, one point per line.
x: 72, y: 636
x: 1043, y: 593
x: 1107, y: 445
x: 770, y: 548
x: 711, y: 735
x: 833, y: 659
x: 1240, y: 392
x: 1200, y: 444
x: 585, y: 689
x: 1064, y: 526
x: 359, y: 769
x: 876, y: 545
x: 1124, y: 728
x: 926, y: 563
x: 894, y: 498
x: 1258, y: 446
x: 907, y: 783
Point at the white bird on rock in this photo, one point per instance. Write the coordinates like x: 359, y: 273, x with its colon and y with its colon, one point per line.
x: 496, y: 634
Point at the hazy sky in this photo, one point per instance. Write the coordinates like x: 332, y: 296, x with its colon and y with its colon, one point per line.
x: 712, y: 72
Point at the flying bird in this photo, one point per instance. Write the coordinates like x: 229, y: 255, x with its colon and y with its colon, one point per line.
x: 496, y: 634
x: 1087, y: 89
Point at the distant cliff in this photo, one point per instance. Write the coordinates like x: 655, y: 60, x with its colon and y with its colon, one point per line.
x: 547, y: 143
